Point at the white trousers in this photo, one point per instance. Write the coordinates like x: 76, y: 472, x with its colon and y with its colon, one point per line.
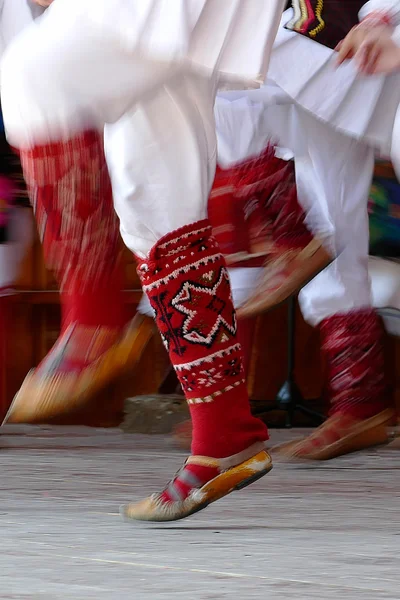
x: 162, y: 157
x: 333, y: 174
x: 157, y: 116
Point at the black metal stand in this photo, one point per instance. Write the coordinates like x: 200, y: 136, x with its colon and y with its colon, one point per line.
x: 289, y: 397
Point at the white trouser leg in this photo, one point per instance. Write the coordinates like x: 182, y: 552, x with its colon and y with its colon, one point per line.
x: 162, y: 130
x: 247, y: 121
x: 162, y: 159
x: 335, y: 172
x: 56, y: 82
x: 87, y: 62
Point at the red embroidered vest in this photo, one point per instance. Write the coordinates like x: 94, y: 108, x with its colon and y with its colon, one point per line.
x: 325, y: 21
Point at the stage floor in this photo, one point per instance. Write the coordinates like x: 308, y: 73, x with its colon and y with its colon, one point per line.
x: 306, y: 531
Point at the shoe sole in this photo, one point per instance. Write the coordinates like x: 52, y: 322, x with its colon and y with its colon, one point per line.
x: 275, y: 299
x: 105, y: 371
x: 369, y: 434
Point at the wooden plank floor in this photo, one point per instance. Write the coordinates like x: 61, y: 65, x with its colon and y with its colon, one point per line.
x: 307, y: 531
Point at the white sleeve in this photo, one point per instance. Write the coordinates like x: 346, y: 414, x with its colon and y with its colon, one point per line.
x: 391, y: 7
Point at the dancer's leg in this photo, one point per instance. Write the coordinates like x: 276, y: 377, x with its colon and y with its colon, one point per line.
x: 247, y: 126
x: 71, y: 195
x: 183, y: 272
x: 162, y: 169
x: 335, y: 171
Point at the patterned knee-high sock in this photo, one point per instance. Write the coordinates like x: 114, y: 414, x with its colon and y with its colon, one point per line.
x: 259, y: 196
x: 186, y: 280
x: 353, y: 344
x: 71, y: 194
x: 262, y: 188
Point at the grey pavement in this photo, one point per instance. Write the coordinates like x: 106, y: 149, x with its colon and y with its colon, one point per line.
x: 306, y: 531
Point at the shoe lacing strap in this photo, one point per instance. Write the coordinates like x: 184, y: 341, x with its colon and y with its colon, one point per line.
x: 187, y: 478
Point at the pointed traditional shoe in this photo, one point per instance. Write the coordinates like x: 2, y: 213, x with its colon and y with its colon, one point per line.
x: 231, y: 476
x: 49, y: 394
x: 353, y: 346
x: 339, y: 435
x: 285, y: 276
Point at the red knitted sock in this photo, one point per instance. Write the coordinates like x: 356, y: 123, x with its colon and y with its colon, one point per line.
x: 269, y: 183
x: 186, y: 280
x: 353, y: 343
x: 104, y: 305
x: 71, y: 193
x: 254, y: 210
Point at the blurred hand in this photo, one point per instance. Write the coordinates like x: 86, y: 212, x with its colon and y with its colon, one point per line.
x: 352, y: 43
x: 374, y: 50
